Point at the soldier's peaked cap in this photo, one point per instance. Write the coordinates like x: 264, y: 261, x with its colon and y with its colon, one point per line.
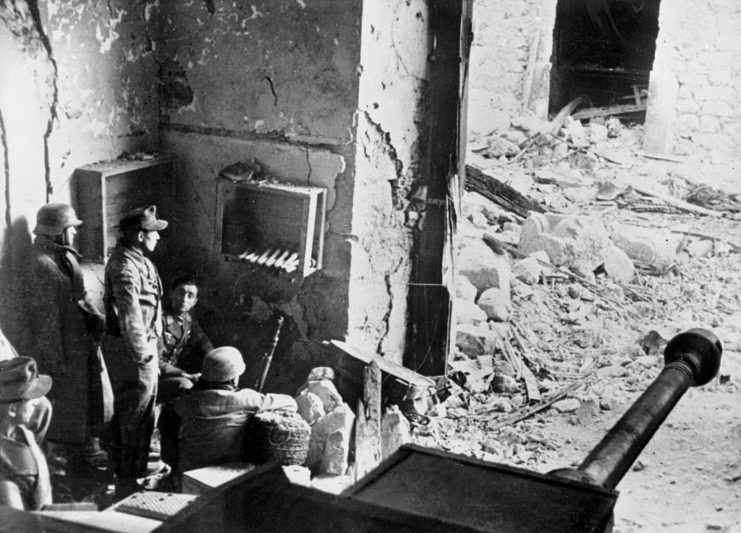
x: 142, y: 218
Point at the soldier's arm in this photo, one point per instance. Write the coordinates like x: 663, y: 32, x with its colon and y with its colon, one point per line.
x: 125, y: 284
x: 258, y: 403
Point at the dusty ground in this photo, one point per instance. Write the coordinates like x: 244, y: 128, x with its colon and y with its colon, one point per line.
x: 688, y: 479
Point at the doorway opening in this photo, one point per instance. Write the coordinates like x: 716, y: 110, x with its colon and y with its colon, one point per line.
x: 604, y: 50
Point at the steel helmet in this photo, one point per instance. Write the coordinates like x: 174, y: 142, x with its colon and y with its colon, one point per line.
x: 53, y: 219
x: 222, y: 364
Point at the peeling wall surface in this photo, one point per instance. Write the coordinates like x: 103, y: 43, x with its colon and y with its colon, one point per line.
x: 214, y: 83
x: 285, y: 67
x: 699, y: 44
x: 390, y: 119
x: 274, y: 81
x: 504, y: 33
x: 77, y: 85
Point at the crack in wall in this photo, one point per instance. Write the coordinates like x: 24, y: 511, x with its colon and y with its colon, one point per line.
x: 36, y: 16
x: 388, y: 148
x: 146, y: 6
x: 386, y: 320
x: 6, y: 170
x: 272, y: 90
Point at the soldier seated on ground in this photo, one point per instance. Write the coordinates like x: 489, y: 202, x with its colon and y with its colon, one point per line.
x: 184, y: 342
x: 24, y: 474
x: 213, y: 415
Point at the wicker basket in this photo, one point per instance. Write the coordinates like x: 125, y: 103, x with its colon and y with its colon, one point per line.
x: 282, y: 437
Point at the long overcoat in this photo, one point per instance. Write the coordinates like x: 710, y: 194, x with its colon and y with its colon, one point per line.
x: 62, y: 334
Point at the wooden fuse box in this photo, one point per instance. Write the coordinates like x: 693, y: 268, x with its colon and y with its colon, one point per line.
x: 270, y: 224
x: 105, y: 191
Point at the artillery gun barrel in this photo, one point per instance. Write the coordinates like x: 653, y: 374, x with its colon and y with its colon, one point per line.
x: 692, y: 359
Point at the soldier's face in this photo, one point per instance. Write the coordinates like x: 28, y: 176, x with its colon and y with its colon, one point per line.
x: 149, y: 240
x: 68, y: 236
x: 23, y: 411
x: 184, y: 297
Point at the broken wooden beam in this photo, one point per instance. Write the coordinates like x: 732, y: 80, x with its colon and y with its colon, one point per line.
x: 607, y: 111
x: 368, y: 422
x: 500, y: 193
x: 399, y: 372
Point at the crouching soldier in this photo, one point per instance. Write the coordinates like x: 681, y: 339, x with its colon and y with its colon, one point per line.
x: 23, y: 468
x: 214, y: 414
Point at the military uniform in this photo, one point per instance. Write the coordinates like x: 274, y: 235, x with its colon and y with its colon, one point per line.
x: 21, y: 461
x: 63, y: 333
x: 132, y: 297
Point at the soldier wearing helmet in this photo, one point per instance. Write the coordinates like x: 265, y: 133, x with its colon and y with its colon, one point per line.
x: 214, y: 413
x: 63, y: 332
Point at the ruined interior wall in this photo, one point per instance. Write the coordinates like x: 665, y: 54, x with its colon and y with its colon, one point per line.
x: 504, y: 34
x: 77, y: 85
x: 270, y: 80
x: 390, y: 118
x: 698, y: 43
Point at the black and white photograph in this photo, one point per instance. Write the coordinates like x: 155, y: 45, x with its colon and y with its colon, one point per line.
x: 370, y: 266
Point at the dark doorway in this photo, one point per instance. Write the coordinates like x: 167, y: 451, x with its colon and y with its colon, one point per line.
x: 604, y: 50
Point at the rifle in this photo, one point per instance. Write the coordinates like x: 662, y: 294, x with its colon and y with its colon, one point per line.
x: 268, y: 357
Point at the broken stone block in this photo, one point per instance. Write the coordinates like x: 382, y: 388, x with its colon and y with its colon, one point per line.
x: 467, y: 312
x: 330, y: 441
x: 597, y: 132
x: 527, y: 270
x: 475, y: 340
x: 619, y: 266
x: 614, y: 371
x: 482, y: 266
x: 465, y: 289
x: 652, y: 247
x: 504, y: 384
x: 576, y: 132
x: 478, y: 219
x: 568, y: 405
x: 579, y: 243
x: 395, y: 431
x: 310, y: 406
x: 496, y: 304
x: 326, y: 391
x: 700, y: 248
x: 654, y: 341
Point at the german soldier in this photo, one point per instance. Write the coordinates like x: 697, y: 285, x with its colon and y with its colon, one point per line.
x: 132, y: 297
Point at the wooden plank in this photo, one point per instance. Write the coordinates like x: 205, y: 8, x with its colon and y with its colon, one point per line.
x: 389, y: 367
x: 368, y: 424
x: 500, y: 193
x: 607, y: 111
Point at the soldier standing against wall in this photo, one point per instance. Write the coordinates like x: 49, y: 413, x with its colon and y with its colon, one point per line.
x: 63, y: 332
x: 133, y: 295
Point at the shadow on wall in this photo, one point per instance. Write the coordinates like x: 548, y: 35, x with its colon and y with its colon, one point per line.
x: 15, y: 256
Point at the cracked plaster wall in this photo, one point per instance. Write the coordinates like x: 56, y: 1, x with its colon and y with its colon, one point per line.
x: 77, y: 85
x: 275, y: 81
x: 390, y: 122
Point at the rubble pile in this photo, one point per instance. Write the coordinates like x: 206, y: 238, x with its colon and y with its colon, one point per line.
x: 565, y: 312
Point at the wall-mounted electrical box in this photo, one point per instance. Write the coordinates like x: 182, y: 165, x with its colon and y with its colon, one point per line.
x: 272, y: 225
x: 105, y: 191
